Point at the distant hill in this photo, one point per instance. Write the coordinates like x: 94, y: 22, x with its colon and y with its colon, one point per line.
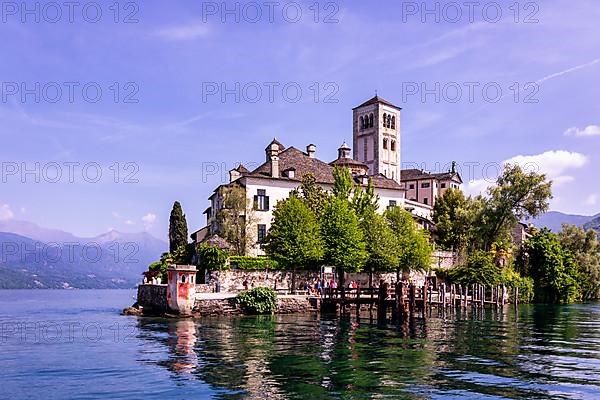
x: 553, y: 220
x: 594, y: 224
x: 57, y: 259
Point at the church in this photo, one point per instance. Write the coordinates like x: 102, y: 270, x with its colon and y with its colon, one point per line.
x: 375, y: 155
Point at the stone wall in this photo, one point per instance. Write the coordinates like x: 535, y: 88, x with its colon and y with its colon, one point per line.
x: 152, y: 298
x: 285, y: 305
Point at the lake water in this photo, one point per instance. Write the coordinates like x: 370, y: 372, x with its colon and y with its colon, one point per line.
x: 75, y: 345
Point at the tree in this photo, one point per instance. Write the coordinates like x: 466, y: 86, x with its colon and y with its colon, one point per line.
x: 554, y: 270
x: 343, y: 238
x: 452, y: 215
x: 364, y: 201
x: 236, y: 217
x: 585, y: 248
x: 312, y: 194
x: 178, y: 231
x: 343, y: 184
x: 412, y: 243
x: 517, y: 195
x: 380, y: 244
x: 211, y: 257
x: 479, y: 268
x: 294, y: 239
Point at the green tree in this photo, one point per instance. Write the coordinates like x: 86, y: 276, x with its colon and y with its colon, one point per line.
x: 516, y: 196
x: 236, y: 218
x: 364, y: 201
x: 343, y: 238
x: 211, y: 257
x: 343, y: 184
x: 380, y: 244
x: 178, y: 231
x: 554, y: 270
x: 412, y: 243
x: 453, y: 215
x: 585, y: 248
x: 312, y: 194
x: 294, y: 240
x: 479, y: 268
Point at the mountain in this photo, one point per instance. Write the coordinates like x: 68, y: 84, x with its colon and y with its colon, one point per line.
x: 52, y: 258
x: 554, y: 220
x: 593, y: 224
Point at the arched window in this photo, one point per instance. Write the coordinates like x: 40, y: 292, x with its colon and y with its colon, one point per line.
x: 371, y: 120
x: 394, y: 122
x: 384, y: 119
x: 182, y: 278
x: 362, y: 123
x: 389, y: 121
x: 393, y: 146
x: 385, y: 144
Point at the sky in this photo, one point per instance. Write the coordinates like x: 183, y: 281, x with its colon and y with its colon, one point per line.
x: 111, y: 111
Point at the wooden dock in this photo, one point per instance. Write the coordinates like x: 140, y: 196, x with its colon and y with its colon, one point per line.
x: 404, y: 299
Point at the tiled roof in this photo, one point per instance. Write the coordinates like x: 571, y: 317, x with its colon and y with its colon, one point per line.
x: 303, y: 164
x: 418, y: 174
x: 376, y: 100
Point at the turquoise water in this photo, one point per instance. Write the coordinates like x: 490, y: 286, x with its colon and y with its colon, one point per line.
x: 75, y: 345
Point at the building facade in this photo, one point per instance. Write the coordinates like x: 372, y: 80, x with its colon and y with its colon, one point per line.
x: 375, y: 157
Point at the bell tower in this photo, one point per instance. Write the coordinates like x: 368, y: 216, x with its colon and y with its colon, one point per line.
x: 376, y: 137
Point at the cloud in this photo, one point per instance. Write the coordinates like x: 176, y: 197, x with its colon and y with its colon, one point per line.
x: 149, y: 220
x: 129, y: 222
x: 590, y: 130
x: 552, y: 163
x: 183, y: 32
x: 592, y: 200
x: 5, y: 212
x: 477, y: 186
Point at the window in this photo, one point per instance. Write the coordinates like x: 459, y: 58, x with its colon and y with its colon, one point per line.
x: 394, y: 122
x: 392, y: 204
x: 261, y: 200
x: 425, y: 200
x: 393, y: 146
x: 182, y: 278
x: 262, y: 232
x: 371, y: 120
x: 389, y: 121
x: 362, y: 123
x: 365, y: 148
x: 385, y: 141
x: 384, y: 119
x: 425, y: 185
x: 443, y: 186
x: 412, y: 186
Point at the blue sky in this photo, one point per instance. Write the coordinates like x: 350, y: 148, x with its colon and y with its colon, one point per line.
x: 178, y: 138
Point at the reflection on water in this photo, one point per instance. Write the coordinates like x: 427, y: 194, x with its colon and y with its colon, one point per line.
x: 544, y: 352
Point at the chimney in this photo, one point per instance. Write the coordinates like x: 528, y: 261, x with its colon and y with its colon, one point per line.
x: 274, y: 159
x: 311, y: 149
x: 234, y: 174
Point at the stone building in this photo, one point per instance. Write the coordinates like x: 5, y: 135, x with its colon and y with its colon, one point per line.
x: 424, y: 187
x: 376, y: 156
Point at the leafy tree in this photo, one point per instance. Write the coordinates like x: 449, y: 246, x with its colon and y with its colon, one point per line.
x: 554, y: 270
x: 236, y: 218
x: 364, y: 201
x: 294, y: 239
x: 517, y: 195
x: 453, y: 215
x: 312, y: 194
x: 343, y: 184
x: 343, y: 238
x: 178, y: 231
x: 585, y: 248
x: 211, y: 257
x: 412, y: 243
x: 260, y: 300
x: 479, y: 268
x: 380, y: 244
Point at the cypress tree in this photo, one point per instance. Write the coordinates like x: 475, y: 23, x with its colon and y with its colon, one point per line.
x: 178, y: 231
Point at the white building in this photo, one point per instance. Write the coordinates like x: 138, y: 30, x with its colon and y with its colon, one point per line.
x: 376, y: 139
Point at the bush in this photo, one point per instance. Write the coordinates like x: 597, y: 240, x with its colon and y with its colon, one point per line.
x: 260, y: 300
x: 252, y: 263
x: 212, y: 258
x: 513, y: 279
x: 479, y: 268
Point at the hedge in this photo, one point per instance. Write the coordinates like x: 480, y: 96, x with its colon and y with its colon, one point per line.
x: 252, y: 263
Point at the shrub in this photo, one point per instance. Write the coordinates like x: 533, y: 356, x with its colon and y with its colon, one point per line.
x: 260, y: 300
x: 212, y: 258
x: 252, y: 263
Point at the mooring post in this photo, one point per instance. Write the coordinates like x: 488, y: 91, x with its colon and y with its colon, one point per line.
x: 412, y: 294
x: 516, y: 297
x: 381, y: 306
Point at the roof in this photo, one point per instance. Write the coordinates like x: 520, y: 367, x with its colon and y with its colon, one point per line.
x: 303, y: 164
x: 414, y: 174
x: 200, y: 234
x: 278, y: 143
x: 377, y: 100
x: 241, y: 169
